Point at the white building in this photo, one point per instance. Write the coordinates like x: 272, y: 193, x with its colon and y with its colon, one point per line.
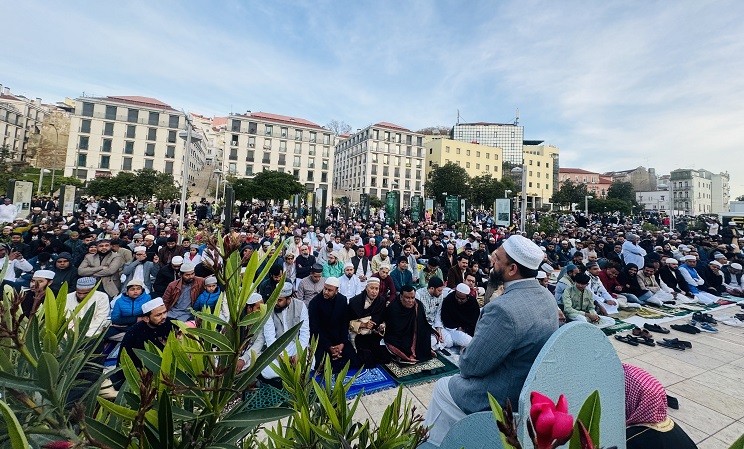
x: 20, y: 121
x: 257, y: 141
x: 696, y: 192
x: 508, y: 137
x: 654, y: 200
x: 128, y: 133
x: 377, y: 159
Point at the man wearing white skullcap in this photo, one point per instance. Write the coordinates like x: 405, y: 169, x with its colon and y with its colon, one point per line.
x: 460, y: 312
x: 521, y: 321
x: 733, y: 282
x: 33, y: 298
x: 141, y: 269
x: 694, y: 281
x: 329, y: 323
x: 349, y: 283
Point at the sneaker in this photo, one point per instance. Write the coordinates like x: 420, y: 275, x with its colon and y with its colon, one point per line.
x: 707, y: 327
x: 734, y: 322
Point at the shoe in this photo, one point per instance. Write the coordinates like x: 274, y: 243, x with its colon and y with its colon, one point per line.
x: 638, y: 332
x: 627, y: 339
x: 704, y: 318
x: 684, y: 343
x: 734, y: 322
x: 445, y: 352
x: 670, y: 345
x: 672, y: 402
x: 707, y: 327
x: 643, y: 340
x: 656, y: 328
x: 686, y: 328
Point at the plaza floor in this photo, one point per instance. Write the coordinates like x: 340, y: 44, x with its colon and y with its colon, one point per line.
x: 708, y: 381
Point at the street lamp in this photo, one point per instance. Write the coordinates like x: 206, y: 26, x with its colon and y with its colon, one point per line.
x: 523, y: 209
x: 41, y: 179
x: 506, y: 193
x: 586, y: 204
x: 186, y: 135
x: 217, y: 172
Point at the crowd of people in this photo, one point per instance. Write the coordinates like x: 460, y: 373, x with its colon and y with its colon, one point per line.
x: 370, y: 292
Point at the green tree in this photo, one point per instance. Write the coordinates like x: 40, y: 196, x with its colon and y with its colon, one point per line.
x: 375, y: 202
x: 570, y: 193
x: 266, y: 186
x: 143, y: 183
x: 450, y: 178
x: 485, y: 189
x: 599, y: 205
x: 621, y: 191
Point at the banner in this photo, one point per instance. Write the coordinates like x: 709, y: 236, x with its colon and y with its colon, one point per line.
x: 463, y: 210
x: 364, y: 206
x: 452, y: 208
x: 23, y: 191
x: 430, y: 205
x: 417, y: 209
x: 67, y: 198
x: 320, y: 206
x: 502, y: 212
x: 310, y: 208
x: 392, y: 208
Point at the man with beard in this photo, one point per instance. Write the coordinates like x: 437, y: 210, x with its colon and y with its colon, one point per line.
x: 304, y: 263
x: 309, y: 287
x: 431, y: 299
x: 169, y: 251
x: 165, y: 275
x: 460, y: 312
x: 34, y: 297
x: 456, y: 274
x: 105, y: 266
x: 408, y: 333
x: 182, y: 293
x: 287, y: 314
x: 329, y: 323
x: 521, y: 320
x: 565, y: 281
x: 99, y: 300
x: 362, y: 266
x: 367, y: 326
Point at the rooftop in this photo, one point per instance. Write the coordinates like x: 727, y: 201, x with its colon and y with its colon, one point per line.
x: 576, y: 170
x: 136, y: 101
x: 391, y: 126
x: 284, y: 119
x: 485, y: 124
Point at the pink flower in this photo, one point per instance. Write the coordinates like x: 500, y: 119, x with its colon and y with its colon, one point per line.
x: 58, y: 445
x: 551, y: 421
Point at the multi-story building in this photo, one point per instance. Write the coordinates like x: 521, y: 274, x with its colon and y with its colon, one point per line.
x: 476, y: 159
x: 20, y: 121
x: 124, y: 133
x: 654, y: 200
x: 696, y: 192
x: 541, y: 162
x: 508, y: 137
x: 380, y: 158
x: 595, y: 183
x: 257, y: 141
x: 641, y: 178
x: 720, y: 192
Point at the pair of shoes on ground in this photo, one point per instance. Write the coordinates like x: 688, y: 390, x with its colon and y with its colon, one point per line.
x: 675, y: 343
x: 656, y: 328
x: 635, y: 341
x: 686, y: 328
x: 734, y: 321
x: 707, y: 327
x: 701, y: 317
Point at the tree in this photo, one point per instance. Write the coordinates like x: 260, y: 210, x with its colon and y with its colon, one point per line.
x: 338, y: 127
x: 449, y: 178
x: 266, y: 186
x: 375, y: 202
x: 599, y: 205
x: 144, y: 183
x: 622, y: 191
x: 570, y: 193
x: 740, y: 198
x: 439, y: 130
x: 485, y: 189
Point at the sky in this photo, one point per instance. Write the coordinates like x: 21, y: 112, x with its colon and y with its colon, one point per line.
x: 612, y: 84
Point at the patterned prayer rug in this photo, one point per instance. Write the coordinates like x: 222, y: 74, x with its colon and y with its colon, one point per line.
x: 669, y: 311
x: 266, y: 396
x: 649, y: 314
x: 368, y: 381
x: 421, y: 372
x: 619, y: 326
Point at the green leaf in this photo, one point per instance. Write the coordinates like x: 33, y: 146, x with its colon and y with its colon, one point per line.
x: 48, y: 371
x: 106, y: 435
x: 590, y: 414
x: 18, y: 383
x: 212, y: 337
x: 15, y: 431
x: 252, y: 418
x: 210, y: 318
x: 118, y: 410
x: 165, y: 420
x: 738, y: 444
x: 266, y: 358
x: 149, y: 360
x: 498, y: 415
x: 131, y: 374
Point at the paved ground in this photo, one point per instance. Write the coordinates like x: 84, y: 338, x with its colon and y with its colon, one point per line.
x: 708, y: 380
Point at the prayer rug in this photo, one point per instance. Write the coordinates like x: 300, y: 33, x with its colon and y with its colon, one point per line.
x: 619, y: 326
x: 649, y: 314
x: 266, y: 396
x: 669, y: 311
x: 368, y: 381
x: 423, y: 372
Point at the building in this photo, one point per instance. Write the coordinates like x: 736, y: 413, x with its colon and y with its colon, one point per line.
x: 48, y: 149
x: 654, y: 200
x: 696, y: 192
x: 377, y: 159
x: 129, y: 133
x: 20, y: 120
x: 257, y: 141
x: 542, y: 173
x: 508, y: 137
x: 476, y: 159
x: 643, y: 179
x: 595, y: 183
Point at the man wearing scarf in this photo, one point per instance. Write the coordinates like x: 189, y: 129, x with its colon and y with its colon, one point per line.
x: 407, y: 332
x: 367, y: 326
x: 34, y: 297
x: 64, y: 271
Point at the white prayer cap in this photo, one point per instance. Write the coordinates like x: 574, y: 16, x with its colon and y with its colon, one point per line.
x: 541, y: 275
x: 735, y: 266
x: 718, y: 256
x: 463, y: 288
x: 177, y: 260
x: 731, y: 223
x: 188, y: 266
x: 254, y: 298
x: 348, y: 264
x: 718, y: 264
x: 385, y: 265
x: 373, y: 281
x: 546, y: 267
x: 287, y: 290
x: 135, y: 282
x: 152, y: 304
x: 333, y: 282
x: 142, y: 248
x: 690, y: 257
x: 384, y: 251
x: 523, y: 251
x: 683, y: 248
x: 45, y: 274
x: 672, y: 261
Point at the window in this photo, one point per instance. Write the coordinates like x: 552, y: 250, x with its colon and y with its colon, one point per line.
x: 538, y: 174
x: 458, y: 151
x: 312, y: 150
x: 268, y: 129
x: 82, y: 160
x: 251, y: 142
x: 547, y: 165
x: 168, y: 167
x: 132, y: 115
x: 252, y: 128
x: 310, y: 176
x: 467, y: 153
x: 311, y: 162
x: 326, y: 151
x: 153, y: 119
x: 296, y: 174
x: 467, y: 164
x: 105, y: 162
x: 298, y: 134
x: 266, y: 158
x: 131, y: 131
x: 387, y: 135
x: 326, y: 139
x: 487, y: 168
x: 283, y: 146
x: 375, y: 134
x: 152, y: 134
x: 324, y: 164
x: 85, y: 126
x: 232, y: 168
x: 298, y: 148
x: 282, y: 160
x: 250, y: 157
x: 233, y: 154
x: 538, y: 164
x: 149, y: 163
x: 150, y: 150
x: 296, y: 162
x: 108, y: 129
x: 87, y: 109
x: 126, y: 164
x: 83, y: 143
x: 173, y: 121
x: 324, y: 177
x: 312, y: 136
x: 477, y: 166
x: 171, y: 136
x: 284, y: 132
x: 170, y: 151
x: 249, y: 170
x: 128, y: 147
x: 538, y: 185
x: 267, y: 144
x: 110, y: 112
x: 446, y: 149
x: 529, y: 184
x: 235, y: 126
x: 106, y: 147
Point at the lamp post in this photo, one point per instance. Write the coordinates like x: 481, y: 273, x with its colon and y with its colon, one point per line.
x: 217, y: 172
x: 523, y: 210
x: 506, y: 193
x: 186, y: 135
x: 41, y: 179
x: 586, y: 204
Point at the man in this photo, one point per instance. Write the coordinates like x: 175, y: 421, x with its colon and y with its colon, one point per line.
x: 269, y: 284
x: 350, y: 285
x: 347, y: 252
x: 521, y: 320
x: 448, y: 259
x: 333, y: 268
x: 460, y: 313
x: 632, y: 253
x: 380, y: 259
x: 729, y: 234
x: 140, y: 268
x: 370, y: 249
x: 64, y: 272
x: 16, y: 244
x: 329, y: 323
x: 647, y: 281
x: 566, y: 281
x: 99, y: 300
x: 362, y: 266
x: 182, y: 293
x: 15, y: 262
x: 401, y: 276
x: 578, y: 303
x: 105, y: 266
x: 431, y: 299
x: 123, y: 251
x: 8, y: 211
x: 695, y: 281
x: 169, y: 251
x: 408, y: 333
x: 412, y: 254
x: 252, y: 305
x: 733, y: 279
x: 672, y: 281
x: 387, y: 286
x: 456, y: 274
x: 165, y: 275
x: 34, y: 297
x: 431, y: 270
x: 609, y: 302
x: 287, y: 314
x: 367, y: 324
x: 311, y: 286
x: 303, y: 263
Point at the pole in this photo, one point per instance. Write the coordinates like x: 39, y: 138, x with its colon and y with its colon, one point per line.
x: 673, y: 201
x: 54, y: 161
x: 217, y: 187
x: 184, y: 182
x: 586, y: 206
x: 41, y: 179
x: 523, y: 212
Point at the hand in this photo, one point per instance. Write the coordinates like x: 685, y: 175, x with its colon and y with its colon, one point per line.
x: 155, y: 258
x: 369, y: 324
x: 241, y: 364
x: 440, y: 339
x: 592, y: 317
x: 618, y: 288
x: 611, y: 303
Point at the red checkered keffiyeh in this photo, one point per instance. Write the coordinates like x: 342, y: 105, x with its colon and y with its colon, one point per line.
x: 645, y: 397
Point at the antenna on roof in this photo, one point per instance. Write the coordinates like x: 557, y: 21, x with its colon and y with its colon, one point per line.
x: 458, y: 116
x: 516, y: 120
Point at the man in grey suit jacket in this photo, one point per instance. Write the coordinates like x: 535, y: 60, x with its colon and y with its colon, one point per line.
x: 510, y: 333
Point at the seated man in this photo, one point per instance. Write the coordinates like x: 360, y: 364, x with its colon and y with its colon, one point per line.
x: 401, y: 275
x: 407, y: 332
x: 695, y: 281
x: 99, y: 300
x: 431, y: 298
x: 578, y: 303
x: 350, y: 284
x: 34, y: 297
x: 181, y: 294
x: 733, y: 282
x: 367, y: 324
x: 268, y: 285
x: 287, y: 314
x: 460, y: 313
x: 521, y: 320
x: 329, y: 323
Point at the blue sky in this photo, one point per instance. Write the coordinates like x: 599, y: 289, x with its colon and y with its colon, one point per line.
x: 613, y: 84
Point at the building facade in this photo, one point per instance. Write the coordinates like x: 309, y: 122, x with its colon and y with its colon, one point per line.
x: 508, y: 137
x: 641, y: 178
x: 377, y: 159
x: 476, y: 159
x: 655, y: 200
x: 696, y: 192
x: 257, y: 141
x: 125, y: 133
x: 541, y: 162
x: 595, y: 183
x: 20, y: 121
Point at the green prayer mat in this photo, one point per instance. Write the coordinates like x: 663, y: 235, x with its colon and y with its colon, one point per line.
x: 619, y: 326
x: 672, y: 311
x: 266, y: 396
x: 423, y: 372
x: 650, y: 314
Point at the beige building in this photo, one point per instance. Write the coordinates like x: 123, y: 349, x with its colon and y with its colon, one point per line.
x: 257, y: 141
x: 541, y: 162
x: 129, y: 133
x: 476, y: 159
x: 378, y: 159
x: 20, y: 121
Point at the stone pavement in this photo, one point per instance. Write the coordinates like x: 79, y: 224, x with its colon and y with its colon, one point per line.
x: 708, y: 381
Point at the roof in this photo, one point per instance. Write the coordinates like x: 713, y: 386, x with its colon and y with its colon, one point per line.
x: 532, y: 142
x: 486, y: 124
x: 219, y: 121
x: 576, y: 170
x: 605, y: 179
x: 392, y: 126
x: 282, y: 119
x: 9, y: 97
x: 137, y: 101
